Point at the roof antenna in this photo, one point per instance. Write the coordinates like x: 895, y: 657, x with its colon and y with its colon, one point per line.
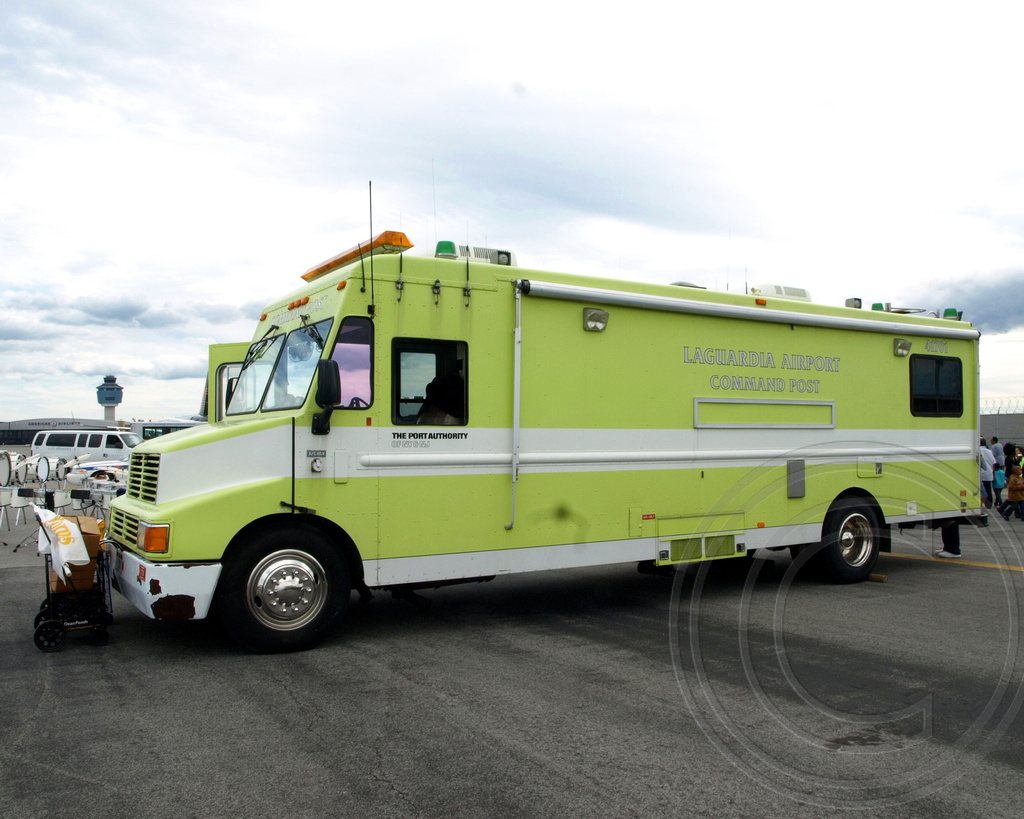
x: 433, y: 191
x: 372, y: 306
x: 466, y: 290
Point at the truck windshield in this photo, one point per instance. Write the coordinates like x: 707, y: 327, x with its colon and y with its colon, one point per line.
x: 278, y: 370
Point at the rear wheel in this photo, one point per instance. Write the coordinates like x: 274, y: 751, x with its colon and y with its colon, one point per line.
x: 850, y: 542
x: 282, y: 590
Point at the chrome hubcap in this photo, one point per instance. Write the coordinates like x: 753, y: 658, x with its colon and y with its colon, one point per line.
x: 856, y: 540
x: 286, y: 590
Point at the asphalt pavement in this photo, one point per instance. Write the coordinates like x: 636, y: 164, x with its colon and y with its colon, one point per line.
x: 739, y: 689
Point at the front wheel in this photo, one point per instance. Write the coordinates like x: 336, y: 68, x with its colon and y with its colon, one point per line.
x: 282, y: 590
x: 850, y: 543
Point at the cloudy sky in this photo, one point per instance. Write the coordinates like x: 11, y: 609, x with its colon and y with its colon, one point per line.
x: 167, y: 167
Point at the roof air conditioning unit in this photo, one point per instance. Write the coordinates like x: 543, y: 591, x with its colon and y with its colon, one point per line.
x: 487, y: 255
x: 779, y: 291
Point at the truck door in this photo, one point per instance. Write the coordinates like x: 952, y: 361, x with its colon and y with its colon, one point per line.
x: 329, y: 481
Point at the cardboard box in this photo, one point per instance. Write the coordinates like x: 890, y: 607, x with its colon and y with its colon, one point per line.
x: 82, y: 577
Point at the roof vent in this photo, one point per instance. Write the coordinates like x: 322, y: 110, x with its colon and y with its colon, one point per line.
x: 779, y: 291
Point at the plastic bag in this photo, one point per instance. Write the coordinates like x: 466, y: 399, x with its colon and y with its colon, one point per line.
x: 62, y: 539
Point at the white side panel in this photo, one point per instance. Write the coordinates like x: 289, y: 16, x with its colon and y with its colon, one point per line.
x: 776, y: 536
x: 222, y: 464
x: 398, y: 570
x: 489, y: 451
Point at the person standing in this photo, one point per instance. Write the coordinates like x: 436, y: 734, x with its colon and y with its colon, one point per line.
x: 1009, y: 453
x: 998, y: 480
x: 986, y: 462
x: 950, y: 540
x: 1015, y: 494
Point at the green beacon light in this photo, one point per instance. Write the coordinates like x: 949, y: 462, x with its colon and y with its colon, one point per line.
x: 446, y: 250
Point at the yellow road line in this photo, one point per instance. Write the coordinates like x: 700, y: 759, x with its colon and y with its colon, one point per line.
x: 958, y: 561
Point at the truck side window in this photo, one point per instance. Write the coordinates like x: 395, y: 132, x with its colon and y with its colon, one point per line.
x: 429, y: 382
x: 936, y: 386
x: 353, y: 351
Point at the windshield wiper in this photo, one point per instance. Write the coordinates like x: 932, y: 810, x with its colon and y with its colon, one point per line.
x: 312, y: 332
x: 256, y: 350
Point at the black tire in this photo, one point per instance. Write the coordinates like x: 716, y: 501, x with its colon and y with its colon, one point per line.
x: 851, y: 540
x: 100, y: 636
x: 283, y: 589
x: 50, y: 635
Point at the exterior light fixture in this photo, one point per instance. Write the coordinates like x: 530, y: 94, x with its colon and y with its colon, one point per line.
x: 900, y: 347
x: 594, y: 320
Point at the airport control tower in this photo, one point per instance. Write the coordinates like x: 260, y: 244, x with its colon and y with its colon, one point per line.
x: 109, y: 395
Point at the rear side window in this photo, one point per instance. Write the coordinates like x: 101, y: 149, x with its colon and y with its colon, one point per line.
x: 936, y: 386
x: 40, y: 437
x: 61, y: 439
x: 428, y: 380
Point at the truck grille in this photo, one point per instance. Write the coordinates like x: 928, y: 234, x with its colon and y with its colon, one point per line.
x: 124, y: 528
x: 142, y: 477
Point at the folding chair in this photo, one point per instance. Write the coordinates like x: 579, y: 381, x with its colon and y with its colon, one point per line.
x: 23, y: 498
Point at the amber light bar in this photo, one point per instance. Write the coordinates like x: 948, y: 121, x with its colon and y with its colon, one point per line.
x: 389, y: 241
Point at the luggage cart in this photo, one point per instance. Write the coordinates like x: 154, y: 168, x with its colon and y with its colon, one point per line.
x: 79, y: 602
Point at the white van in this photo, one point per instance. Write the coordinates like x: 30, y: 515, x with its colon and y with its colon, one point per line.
x: 98, y: 444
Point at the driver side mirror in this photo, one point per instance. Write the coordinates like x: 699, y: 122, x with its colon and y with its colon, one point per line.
x: 328, y: 394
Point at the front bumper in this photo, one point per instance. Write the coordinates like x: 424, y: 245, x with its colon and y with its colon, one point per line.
x: 163, y: 591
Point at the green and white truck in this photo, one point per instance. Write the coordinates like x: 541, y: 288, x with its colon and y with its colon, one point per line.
x: 404, y: 421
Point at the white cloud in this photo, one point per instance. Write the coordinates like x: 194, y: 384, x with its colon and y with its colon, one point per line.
x: 184, y: 162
